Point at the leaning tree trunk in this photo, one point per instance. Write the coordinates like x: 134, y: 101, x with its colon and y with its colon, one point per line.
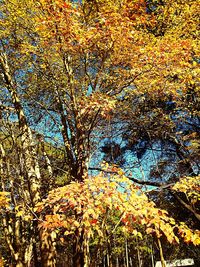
x: 27, y: 142
x: 161, y: 253
x: 30, y: 178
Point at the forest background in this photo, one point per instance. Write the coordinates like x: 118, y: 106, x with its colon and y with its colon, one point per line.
x: 99, y: 137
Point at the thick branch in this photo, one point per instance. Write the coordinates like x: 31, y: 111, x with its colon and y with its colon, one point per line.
x: 187, y: 206
x: 142, y: 182
x: 156, y: 184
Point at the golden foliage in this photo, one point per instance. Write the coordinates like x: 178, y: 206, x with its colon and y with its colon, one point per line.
x: 89, y: 206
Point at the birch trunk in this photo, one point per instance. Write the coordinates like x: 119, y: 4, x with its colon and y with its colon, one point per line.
x: 31, y: 179
x: 29, y: 153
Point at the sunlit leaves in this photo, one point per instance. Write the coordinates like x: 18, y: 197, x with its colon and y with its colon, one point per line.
x: 190, y: 186
x: 189, y: 236
x: 96, y: 102
x: 85, y: 58
x: 89, y: 207
x: 117, y: 36
x: 4, y: 200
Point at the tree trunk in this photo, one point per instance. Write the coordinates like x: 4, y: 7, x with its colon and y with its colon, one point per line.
x: 48, y: 248
x: 126, y: 251
x: 29, y: 155
x: 139, y: 258
x: 152, y: 257
x: 78, y: 257
x: 161, y: 253
x: 30, y: 178
x: 78, y: 253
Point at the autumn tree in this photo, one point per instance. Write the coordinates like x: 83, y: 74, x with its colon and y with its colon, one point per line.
x: 69, y: 70
x: 81, y: 209
x: 163, y: 128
